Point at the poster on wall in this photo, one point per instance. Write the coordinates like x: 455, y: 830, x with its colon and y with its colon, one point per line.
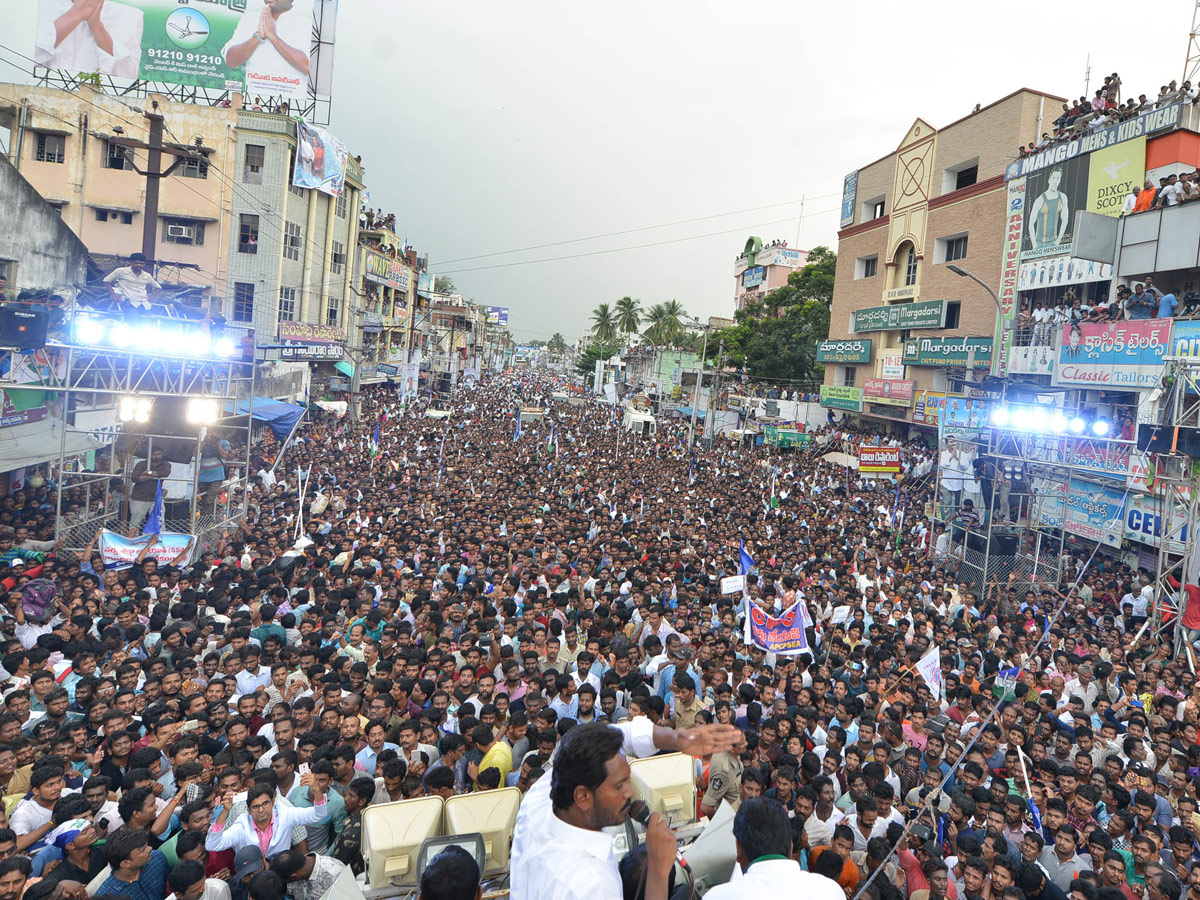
x: 849, y: 196
x: 320, y: 160
x: 1096, y: 511
x: 266, y: 49
x: 1047, y: 273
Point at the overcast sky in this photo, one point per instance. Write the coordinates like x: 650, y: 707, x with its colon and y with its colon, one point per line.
x: 491, y: 127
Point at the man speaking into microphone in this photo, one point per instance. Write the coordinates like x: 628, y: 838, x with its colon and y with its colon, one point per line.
x: 590, y: 789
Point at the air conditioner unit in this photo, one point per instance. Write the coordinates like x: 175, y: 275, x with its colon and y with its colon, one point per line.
x: 181, y: 231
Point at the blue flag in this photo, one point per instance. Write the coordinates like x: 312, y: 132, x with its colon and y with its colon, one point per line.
x: 1036, y: 816
x: 517, y: 433
x: 375, y: 442
x: 747, y: 561
x: 154, y: 522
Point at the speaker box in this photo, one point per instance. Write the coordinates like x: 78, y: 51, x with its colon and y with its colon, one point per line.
x: 22, y: 328
x: 1158, y: 439
x: 1004, y: 543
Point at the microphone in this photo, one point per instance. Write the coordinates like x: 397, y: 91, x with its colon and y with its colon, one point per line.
x: 640, y: 813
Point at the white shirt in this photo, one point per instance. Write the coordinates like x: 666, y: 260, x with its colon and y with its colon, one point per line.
x: 214, y: 889
x: 570, y: 863
x: 134, y: 288
x: 79, y: 51
x: 777, y: 878
x: 533, y: 818
x: 285, y: 817
x: 267, y: 63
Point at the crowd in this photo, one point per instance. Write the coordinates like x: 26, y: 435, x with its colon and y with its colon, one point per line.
x: 441, y: 609
x: 1039, y: 320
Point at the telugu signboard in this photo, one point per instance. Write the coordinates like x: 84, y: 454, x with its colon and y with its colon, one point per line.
x: 386, y: 271
x: 839, y: 396
x: 927, y: 407
x: 1146, y: 123
x: 880, y: 460
x: 925, y: 314
x: 858, y: 351
x: 263, y: 50
x: 1095, y: 511
x: 304, y: 333
x: 948, y: 351
x: 1123, y: 354
x: 888, y: 392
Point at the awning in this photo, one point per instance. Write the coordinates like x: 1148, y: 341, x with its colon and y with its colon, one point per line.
x: 282, y: 417
x: 841, y: 459
x: 345, y: 367
x: 39, y: 447
x: 337, y: 407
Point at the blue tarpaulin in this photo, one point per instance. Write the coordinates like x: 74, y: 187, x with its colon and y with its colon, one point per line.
x: 282, y: 417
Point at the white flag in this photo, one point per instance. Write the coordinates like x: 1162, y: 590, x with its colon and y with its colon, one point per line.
x: 930, y: 667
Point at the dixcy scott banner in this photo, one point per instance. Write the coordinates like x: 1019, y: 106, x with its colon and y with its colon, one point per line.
x: 320, y: 160
x: 782, y: 634
x: 120, y: 552
x: 259, y: 47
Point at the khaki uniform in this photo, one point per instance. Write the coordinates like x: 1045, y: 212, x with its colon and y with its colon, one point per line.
x: 724, y: 781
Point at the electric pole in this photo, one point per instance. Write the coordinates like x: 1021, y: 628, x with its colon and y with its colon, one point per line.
x: 152, y: 173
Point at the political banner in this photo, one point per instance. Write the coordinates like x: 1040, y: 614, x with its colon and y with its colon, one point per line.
x: 119, y: 552
x: 930, y: 668
x: 849, y: 196
x: 320, y: 160
x: 888, y: 392
x: 965, y: 418
x: 880, y: 460
x: 1096, y: 511
x: 268, y: 50
x: 783, y: 634
x: 1125, y: 354
x: 496, y: 315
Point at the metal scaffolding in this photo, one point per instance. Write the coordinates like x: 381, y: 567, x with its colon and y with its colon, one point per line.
x: 97, y: 452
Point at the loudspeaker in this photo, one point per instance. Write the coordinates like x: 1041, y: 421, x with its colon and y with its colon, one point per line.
x: 1004, y: 543
x: 1158, y: 439
x: 22, y: 328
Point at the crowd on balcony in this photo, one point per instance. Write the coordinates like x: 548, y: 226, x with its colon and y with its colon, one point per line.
x: 1105, y: 108
x: 376, y: 219
x: 1038, y: 320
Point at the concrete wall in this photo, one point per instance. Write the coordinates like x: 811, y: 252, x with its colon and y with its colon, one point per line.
x: 41, y: 250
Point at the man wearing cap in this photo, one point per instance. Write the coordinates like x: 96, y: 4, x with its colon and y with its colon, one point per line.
x: 913, y: 864
x: 82, y: 859
x: 247, y: 863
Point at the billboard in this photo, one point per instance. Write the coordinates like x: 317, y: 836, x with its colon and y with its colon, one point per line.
x: 385, y: 270
x: 965, y: 418
x: 265, y: 49
x: 1051, y: 198
x: 303, y: 333
x: 1063, y: 270
x: 1131, y: 129
x: 839, y: 396
x: 1113, y: 173
x: 1144, y: 522
x: 1124, y: 354
x: 1014, y: 230
x: 1096, y: 511
x: 849, y: 195
x: 888, y: 392
x: 320, y: 160
x: 881, y: 460
x: 927, y: 407
x: 925, y: 314
x: 844, y: 351
x: 497, y: 315
x: 948, y: 351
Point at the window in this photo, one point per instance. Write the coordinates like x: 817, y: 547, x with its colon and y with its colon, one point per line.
x: 950, y: 248
x: 873, y: 208
x: 910, y: 267
x: 339, y: 258
x: 966, y: 178
x: 287, y: 304
x: 243, y: 302
x: 195, y: 166
x: 953, y: 311
x: 298, y: 191
x: 963, y: 175
x: 877, y: 210
x: 50, y: 148
x: 183, y: 231
x: 332, y: 312
x: 248, y: 234
x: 116, y: 156
x: 340, y: 207
x: 56, y: 205
x: 126, y: 218
x: 866, y: 266
x: 102, y: 215
x: 256, y: 157
x: 291, y: 241
x: 848, y: 376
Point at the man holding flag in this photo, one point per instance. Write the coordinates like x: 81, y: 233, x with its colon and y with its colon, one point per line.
x: 146, y: 494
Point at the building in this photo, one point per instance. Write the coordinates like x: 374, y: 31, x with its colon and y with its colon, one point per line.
x: 904, y: 327
x: 386, y: 274
x: 760, y: 269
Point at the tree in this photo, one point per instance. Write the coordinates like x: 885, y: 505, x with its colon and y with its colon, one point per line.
x: 777, y: 339
x: 596, y: 350
x: 628, y: 315
x: 557, y: 345
x: 604, y: 323
x: 666, y: 322
x: 444, y: 284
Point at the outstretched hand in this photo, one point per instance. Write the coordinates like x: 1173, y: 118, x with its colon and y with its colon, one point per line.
x: 707, y: 739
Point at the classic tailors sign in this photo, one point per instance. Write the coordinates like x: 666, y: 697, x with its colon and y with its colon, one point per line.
x: 1124, y: 354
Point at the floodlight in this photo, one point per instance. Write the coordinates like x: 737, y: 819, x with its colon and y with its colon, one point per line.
x: 493, y: 814
x: 667, y: 784
x: 1000, y: 416
x: 89, y: 331
x: 1023, y: 419
x: 133, y: 408
x: 1100, y: 427
x: 224, y: 347
x: 121, y: 335
x: 392, y: 836
x: 1077, y: 425
x: 1058, y: 423
x: 203, y: 411
x: 149, y: 336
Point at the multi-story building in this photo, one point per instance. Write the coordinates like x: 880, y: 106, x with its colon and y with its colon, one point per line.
x: 386, y: 275
x: 905, y: 327
x: 760, y: 269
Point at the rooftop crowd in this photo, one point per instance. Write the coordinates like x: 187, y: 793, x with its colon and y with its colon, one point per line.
x: 442, y: 609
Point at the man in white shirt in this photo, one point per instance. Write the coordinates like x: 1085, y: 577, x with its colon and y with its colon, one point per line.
x: 269, y: 41
x: 89, y: 36
x: 764, y: 855
x: 132, y: 283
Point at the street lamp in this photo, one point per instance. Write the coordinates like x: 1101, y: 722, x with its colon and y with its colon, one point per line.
x: 1002, y: 325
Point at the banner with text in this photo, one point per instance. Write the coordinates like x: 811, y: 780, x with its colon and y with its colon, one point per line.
x: 844, y: 351
x: 783, y: 634
x: 1096, y: 511
x: 880, y: 460
x: 839, y: 396
x: 924, y: 314
x: 948, y: 351
x: 888, y: 392
x: 119, y: 552
x: 1014, y: 228
x: 1123, y: 354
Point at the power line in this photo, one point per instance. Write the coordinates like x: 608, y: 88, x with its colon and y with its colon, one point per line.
x: 596, y: 237
x: 694, y: 237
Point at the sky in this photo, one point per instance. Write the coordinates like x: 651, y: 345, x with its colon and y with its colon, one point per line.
x: 493, y: 127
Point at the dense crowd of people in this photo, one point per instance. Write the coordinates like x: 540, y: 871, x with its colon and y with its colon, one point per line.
x: 440, y: 610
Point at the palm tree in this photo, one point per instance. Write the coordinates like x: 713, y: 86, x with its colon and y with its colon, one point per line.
x: 629, y: 315
x: 605, y: 323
